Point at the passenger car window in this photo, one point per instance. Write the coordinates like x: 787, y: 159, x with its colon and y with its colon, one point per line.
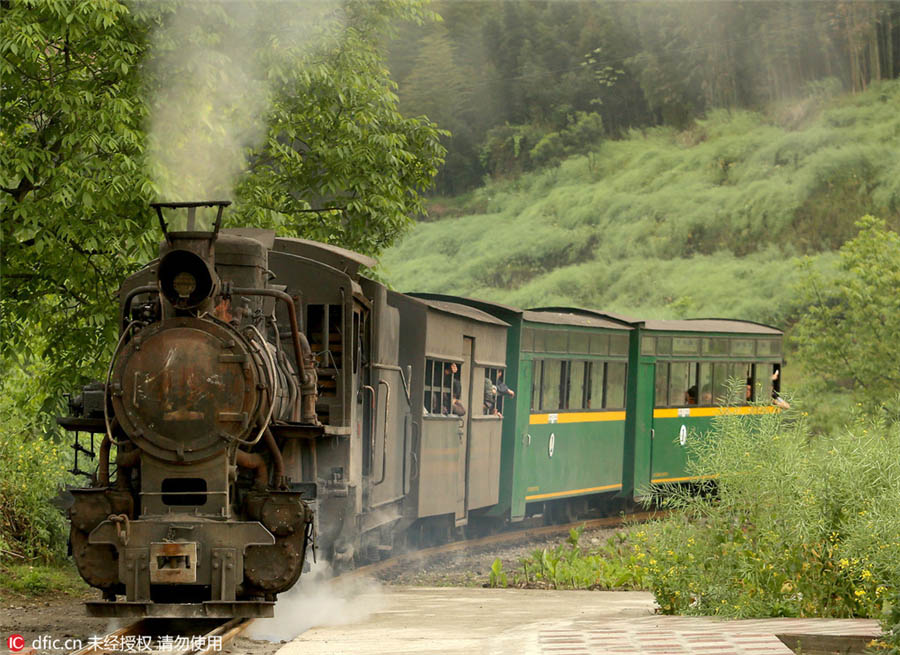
x: 662, y: 384
x: 614, y: 395
x: 550, y: 384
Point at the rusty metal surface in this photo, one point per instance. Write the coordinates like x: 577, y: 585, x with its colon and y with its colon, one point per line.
x: 173, y: 562
x: 181, y: 385
x: 134, y: 542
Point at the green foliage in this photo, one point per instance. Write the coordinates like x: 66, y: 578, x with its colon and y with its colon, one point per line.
x: 798, y: 525
x: 850, y: 330
x: 72, y: 192
x: 32, y: 467
x: 643, y: 225
x: 609, y: 565
x: 37, y: 580
x: 506, y: 148
x: 581, y: 135
x: 498, y: 577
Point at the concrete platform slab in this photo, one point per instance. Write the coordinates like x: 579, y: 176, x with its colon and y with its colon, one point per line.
x: 515, y: 621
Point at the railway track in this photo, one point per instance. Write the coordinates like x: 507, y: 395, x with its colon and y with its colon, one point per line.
x: 168, y: 636
x: 499, y: 538
x: 208, y: 636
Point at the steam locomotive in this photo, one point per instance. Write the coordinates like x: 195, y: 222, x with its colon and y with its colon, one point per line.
x: 265, y: 399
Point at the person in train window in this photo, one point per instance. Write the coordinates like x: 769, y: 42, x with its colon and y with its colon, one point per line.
x: 451, y: 381
x: 490, y: 397
x: 502, y: 390
x: 777, y: 400
x: 690, y: 396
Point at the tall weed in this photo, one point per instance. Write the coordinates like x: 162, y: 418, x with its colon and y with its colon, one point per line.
x: 799, y: 525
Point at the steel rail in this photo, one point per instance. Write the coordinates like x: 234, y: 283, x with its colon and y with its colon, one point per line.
x: 227, y: 630
x: 500, y: 538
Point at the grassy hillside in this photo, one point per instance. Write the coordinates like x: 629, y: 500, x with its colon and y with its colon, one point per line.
x: 711, y: 221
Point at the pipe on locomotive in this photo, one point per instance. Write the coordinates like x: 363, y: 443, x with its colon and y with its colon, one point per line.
x: 302, y: 351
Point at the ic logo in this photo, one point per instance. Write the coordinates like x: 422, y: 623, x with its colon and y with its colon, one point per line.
x: 15, y: 643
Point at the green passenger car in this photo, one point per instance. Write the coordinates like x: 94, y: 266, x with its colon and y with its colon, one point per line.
x: 685, y: 373
x: 570, y: 420
x: 606, y: 404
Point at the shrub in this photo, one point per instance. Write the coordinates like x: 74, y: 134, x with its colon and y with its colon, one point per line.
x: 798, y: 526
x: 32, y: 469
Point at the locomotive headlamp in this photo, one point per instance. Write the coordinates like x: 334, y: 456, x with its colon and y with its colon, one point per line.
x: 185, y: 279
x: 184, y: 284
x: 187, y: 276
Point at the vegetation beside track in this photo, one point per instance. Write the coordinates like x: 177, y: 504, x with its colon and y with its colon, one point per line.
x: 38, y: 580
x: 798, y: 525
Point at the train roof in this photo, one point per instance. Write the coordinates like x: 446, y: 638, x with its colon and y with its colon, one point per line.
x: 472, y: 302
x: 572, y: 318
x: 676, y: 325
x: 620, y: 319
x: 465, y: 311
x: 342, y: 259
x: 710, y: 325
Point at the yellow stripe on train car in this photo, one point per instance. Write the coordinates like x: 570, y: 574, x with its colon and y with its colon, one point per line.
x: 573, y: 492
x: 690, y: 478
x: 696, y: 412
x: 575, y: 417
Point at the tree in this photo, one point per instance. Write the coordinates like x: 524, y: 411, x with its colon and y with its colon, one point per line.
x: 851, y: 329
x: 338, y: 161
x: 73, y: 195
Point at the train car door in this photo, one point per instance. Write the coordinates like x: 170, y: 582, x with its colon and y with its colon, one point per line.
x: 462, y: 452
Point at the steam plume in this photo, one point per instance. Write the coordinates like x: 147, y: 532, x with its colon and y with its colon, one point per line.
x: 318, y: 600
x: 213, y: 72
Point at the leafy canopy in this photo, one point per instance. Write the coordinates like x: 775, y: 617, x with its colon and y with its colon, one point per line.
x: 337, y: 162
x: 852, y: 327
x: 72, y: 187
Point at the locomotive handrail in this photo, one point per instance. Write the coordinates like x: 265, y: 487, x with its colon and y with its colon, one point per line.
x: 371, y: 389
x: 414, y: 437
x: 392, y: 367
x: 112, y: 363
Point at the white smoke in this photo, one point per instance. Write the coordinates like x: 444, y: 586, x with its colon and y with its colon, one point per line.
x: 211, y: 78
x: 318, y: 600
